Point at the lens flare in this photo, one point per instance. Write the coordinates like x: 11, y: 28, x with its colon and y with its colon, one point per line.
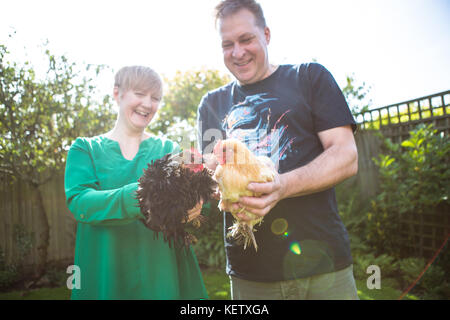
x: 279, y: 226
x: 295, y: 248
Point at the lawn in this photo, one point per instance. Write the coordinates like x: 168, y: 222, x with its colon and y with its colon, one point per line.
x: 60, y: 293
x: 217, y: 284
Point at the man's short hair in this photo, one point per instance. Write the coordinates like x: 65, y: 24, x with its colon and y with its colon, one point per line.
x: 139, y: 78
x: 229, y: 7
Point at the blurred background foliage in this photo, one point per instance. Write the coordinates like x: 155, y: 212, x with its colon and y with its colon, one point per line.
x: 177, y: 116
x: 40, y: 118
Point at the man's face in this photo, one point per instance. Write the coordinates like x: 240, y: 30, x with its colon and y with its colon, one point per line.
x: 244, y: 47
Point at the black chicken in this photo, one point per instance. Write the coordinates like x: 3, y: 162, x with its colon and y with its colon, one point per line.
x: 169, y: 188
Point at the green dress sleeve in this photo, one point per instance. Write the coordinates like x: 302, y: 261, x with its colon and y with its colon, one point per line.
x: 87, y: 203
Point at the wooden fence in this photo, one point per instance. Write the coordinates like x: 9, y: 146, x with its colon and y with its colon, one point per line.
x: 395, y: 122
x: 16, y: 208
x: 19, y: 226
x: 398, y: 119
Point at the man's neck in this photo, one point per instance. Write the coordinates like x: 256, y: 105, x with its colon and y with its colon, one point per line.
x: 270, y: 70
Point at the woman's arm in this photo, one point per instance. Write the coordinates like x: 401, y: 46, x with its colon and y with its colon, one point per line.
x: 87, y: 203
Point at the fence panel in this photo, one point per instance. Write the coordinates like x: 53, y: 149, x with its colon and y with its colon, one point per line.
x: 419, y: 234
x: 18, y: 213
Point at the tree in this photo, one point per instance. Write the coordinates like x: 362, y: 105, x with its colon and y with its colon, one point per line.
x: 356, y: 96
x: 40, y: 118
x: 177, y: 116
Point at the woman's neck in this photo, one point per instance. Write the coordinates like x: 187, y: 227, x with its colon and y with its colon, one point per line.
x: 125, y: 135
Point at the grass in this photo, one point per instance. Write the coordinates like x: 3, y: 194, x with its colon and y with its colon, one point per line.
x: 60, y: 293
x: 217, y: 284
x: 385, y: 293
x: 216, y: 281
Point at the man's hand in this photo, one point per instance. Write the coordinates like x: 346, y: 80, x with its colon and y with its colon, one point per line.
x: 337, y: 162
x: 271, y: 193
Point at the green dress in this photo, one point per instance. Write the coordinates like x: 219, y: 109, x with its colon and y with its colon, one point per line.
x: 118, y: 257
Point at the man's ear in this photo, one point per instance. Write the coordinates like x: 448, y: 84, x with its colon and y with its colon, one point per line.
x: 267, y: 34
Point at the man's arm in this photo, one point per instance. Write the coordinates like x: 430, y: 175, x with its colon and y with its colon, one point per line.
x: 337, y: 162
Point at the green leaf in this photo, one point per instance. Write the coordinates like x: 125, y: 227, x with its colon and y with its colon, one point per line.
x: 408, y: 144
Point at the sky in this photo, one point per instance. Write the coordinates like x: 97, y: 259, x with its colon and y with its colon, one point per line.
x: 398, y: 48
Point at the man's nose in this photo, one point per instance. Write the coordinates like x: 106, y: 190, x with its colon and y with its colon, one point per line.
x: 238, y: 51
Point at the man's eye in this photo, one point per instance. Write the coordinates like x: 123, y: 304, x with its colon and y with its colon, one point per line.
x: 227, y: 45
x: 156, y: 99
x: 246, y: 40
x: 138, y: 93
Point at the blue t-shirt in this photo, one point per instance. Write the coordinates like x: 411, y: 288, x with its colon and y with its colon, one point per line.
x: 280, y: 117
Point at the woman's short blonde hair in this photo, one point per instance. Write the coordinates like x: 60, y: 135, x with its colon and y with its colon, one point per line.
x: 138, y: 78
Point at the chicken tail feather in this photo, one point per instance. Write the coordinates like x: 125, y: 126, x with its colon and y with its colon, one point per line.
x: 252, y: 237
x: 243, y: 234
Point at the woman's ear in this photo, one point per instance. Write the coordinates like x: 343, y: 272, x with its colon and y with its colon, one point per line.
x: 116, y: 93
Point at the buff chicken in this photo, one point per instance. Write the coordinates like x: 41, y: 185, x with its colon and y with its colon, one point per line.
x: 237, y: 167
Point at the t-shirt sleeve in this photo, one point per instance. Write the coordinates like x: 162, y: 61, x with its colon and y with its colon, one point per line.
x: 209, y: 121
x: 86, y: 202
x: 329, y: 107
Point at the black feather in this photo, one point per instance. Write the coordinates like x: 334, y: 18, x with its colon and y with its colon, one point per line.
x: 167, y: 190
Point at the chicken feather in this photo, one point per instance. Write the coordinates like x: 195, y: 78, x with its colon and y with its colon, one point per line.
x: 237, y: 167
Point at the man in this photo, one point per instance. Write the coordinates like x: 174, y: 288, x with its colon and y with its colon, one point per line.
x: 297, y: 115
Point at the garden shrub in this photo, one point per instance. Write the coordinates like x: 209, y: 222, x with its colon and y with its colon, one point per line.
x: 414, y: 178
x: 358, y: 246
x: 410, y: 269
x: 351, y: 208
x: 12, y: 273
x: 383, y: 261
x: 8, y: 273
x: 210, y: 249
x: 432, y: 284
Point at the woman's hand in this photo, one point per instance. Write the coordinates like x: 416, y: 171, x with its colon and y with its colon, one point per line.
x: 210, y: 161
x: 195, y: 211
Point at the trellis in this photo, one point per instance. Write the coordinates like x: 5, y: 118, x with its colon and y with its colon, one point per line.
x: 419, y: 234
x: 398, y: 119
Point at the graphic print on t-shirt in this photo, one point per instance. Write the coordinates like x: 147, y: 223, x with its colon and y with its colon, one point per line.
x: 250, y: 122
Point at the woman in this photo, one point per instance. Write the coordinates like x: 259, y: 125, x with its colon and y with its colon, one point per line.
x: 118, y: 257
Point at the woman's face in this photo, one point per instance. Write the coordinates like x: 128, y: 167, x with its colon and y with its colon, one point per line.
x: 136, y: 107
